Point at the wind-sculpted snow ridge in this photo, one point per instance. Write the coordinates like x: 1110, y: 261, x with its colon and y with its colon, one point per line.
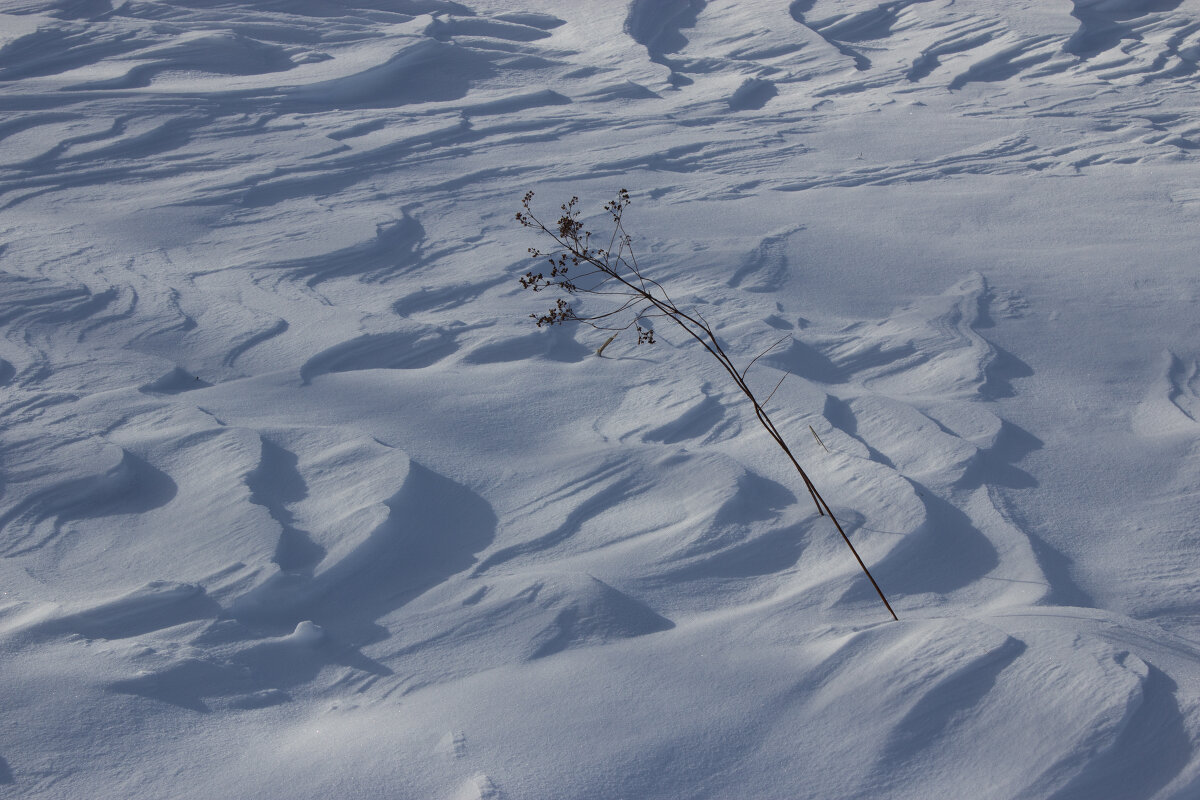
x: 295, y: 500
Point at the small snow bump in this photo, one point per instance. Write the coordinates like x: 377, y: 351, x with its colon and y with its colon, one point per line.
x: 307, y: 634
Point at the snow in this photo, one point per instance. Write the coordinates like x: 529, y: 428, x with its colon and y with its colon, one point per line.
x: 296, y: 502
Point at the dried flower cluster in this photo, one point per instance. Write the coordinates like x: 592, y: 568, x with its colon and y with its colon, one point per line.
x: 613, y: 274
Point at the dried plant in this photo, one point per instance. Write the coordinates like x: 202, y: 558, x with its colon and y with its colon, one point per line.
x: 578, y: 269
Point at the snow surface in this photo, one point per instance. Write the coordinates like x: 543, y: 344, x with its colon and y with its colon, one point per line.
x: 297, y: 503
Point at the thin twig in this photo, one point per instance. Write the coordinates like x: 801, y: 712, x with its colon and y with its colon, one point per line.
x: 607, y: 342
x: 818, y: 438
x: 763, y: 353
x: 772, y: 394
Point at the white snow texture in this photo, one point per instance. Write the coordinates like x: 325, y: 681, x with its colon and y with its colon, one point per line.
x: 296, y: 501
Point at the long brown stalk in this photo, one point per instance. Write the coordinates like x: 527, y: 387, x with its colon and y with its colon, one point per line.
x: 616, y: 275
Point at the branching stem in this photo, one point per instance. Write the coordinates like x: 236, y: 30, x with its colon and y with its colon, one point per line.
x: 617, y: 274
